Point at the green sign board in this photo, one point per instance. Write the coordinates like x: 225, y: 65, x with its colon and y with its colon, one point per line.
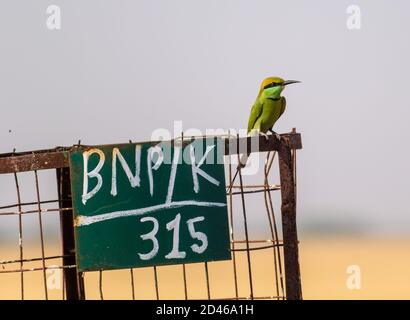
x: 138, y: 205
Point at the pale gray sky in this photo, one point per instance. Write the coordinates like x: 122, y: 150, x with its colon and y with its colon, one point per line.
x: 117, y: 70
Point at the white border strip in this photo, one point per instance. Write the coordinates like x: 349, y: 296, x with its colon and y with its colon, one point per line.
x: 87, y: 220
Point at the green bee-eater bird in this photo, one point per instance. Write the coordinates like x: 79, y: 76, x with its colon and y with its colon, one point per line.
x: 267, y: 109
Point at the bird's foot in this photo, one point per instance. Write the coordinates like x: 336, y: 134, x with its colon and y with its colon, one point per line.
x: 265, y: 135
x: 277, y: 135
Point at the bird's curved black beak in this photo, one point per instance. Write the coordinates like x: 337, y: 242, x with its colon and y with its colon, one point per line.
x: 285, y: 83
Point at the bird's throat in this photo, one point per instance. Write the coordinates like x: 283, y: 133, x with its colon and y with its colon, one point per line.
x: 273, y: 93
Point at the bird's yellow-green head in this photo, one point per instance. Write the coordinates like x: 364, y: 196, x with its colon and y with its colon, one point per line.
x: 272, y: 87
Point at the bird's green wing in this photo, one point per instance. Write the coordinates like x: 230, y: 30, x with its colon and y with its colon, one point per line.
x: 283, y: 106
x: 256, y: 111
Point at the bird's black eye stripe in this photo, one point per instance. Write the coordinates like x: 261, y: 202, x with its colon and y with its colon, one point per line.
x: 271, y: 85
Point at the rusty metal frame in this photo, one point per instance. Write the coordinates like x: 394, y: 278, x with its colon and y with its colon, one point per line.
x: 290, y: 237
x: 58, y: 158
x: 285, y: 148
x: 73, y: 280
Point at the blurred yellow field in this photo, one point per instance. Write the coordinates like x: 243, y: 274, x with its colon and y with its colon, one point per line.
x: 383, y: 264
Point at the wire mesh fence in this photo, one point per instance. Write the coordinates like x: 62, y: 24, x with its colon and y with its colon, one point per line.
x: 37, y: 247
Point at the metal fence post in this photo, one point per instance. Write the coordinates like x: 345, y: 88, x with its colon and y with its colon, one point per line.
x: 74, y: 282
x: 289, y: 229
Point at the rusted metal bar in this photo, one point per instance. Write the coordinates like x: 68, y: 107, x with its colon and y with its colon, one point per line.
x: 36, y: 269
x: 74, y: 284
x: 277, y: 242
x: 40, y: 222
x: 3, y: 262
x: 273, y: 226
x: 272, y: 246
x: 156, y: 282
x: 101, y: 285
x: 35, y: 161
x: 289, y: 229
x: 16, y: 213
x: 19, y: 205
x: 261, y: 143
x: 253, y: 191
x: 20, y: 235
x: 232, y: 231
x: 58, y: 157
x: 132, y: 284
x: 248, y: 254
x: 208, y: 286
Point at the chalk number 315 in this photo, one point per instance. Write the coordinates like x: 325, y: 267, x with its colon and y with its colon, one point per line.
x: 173, y: 225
